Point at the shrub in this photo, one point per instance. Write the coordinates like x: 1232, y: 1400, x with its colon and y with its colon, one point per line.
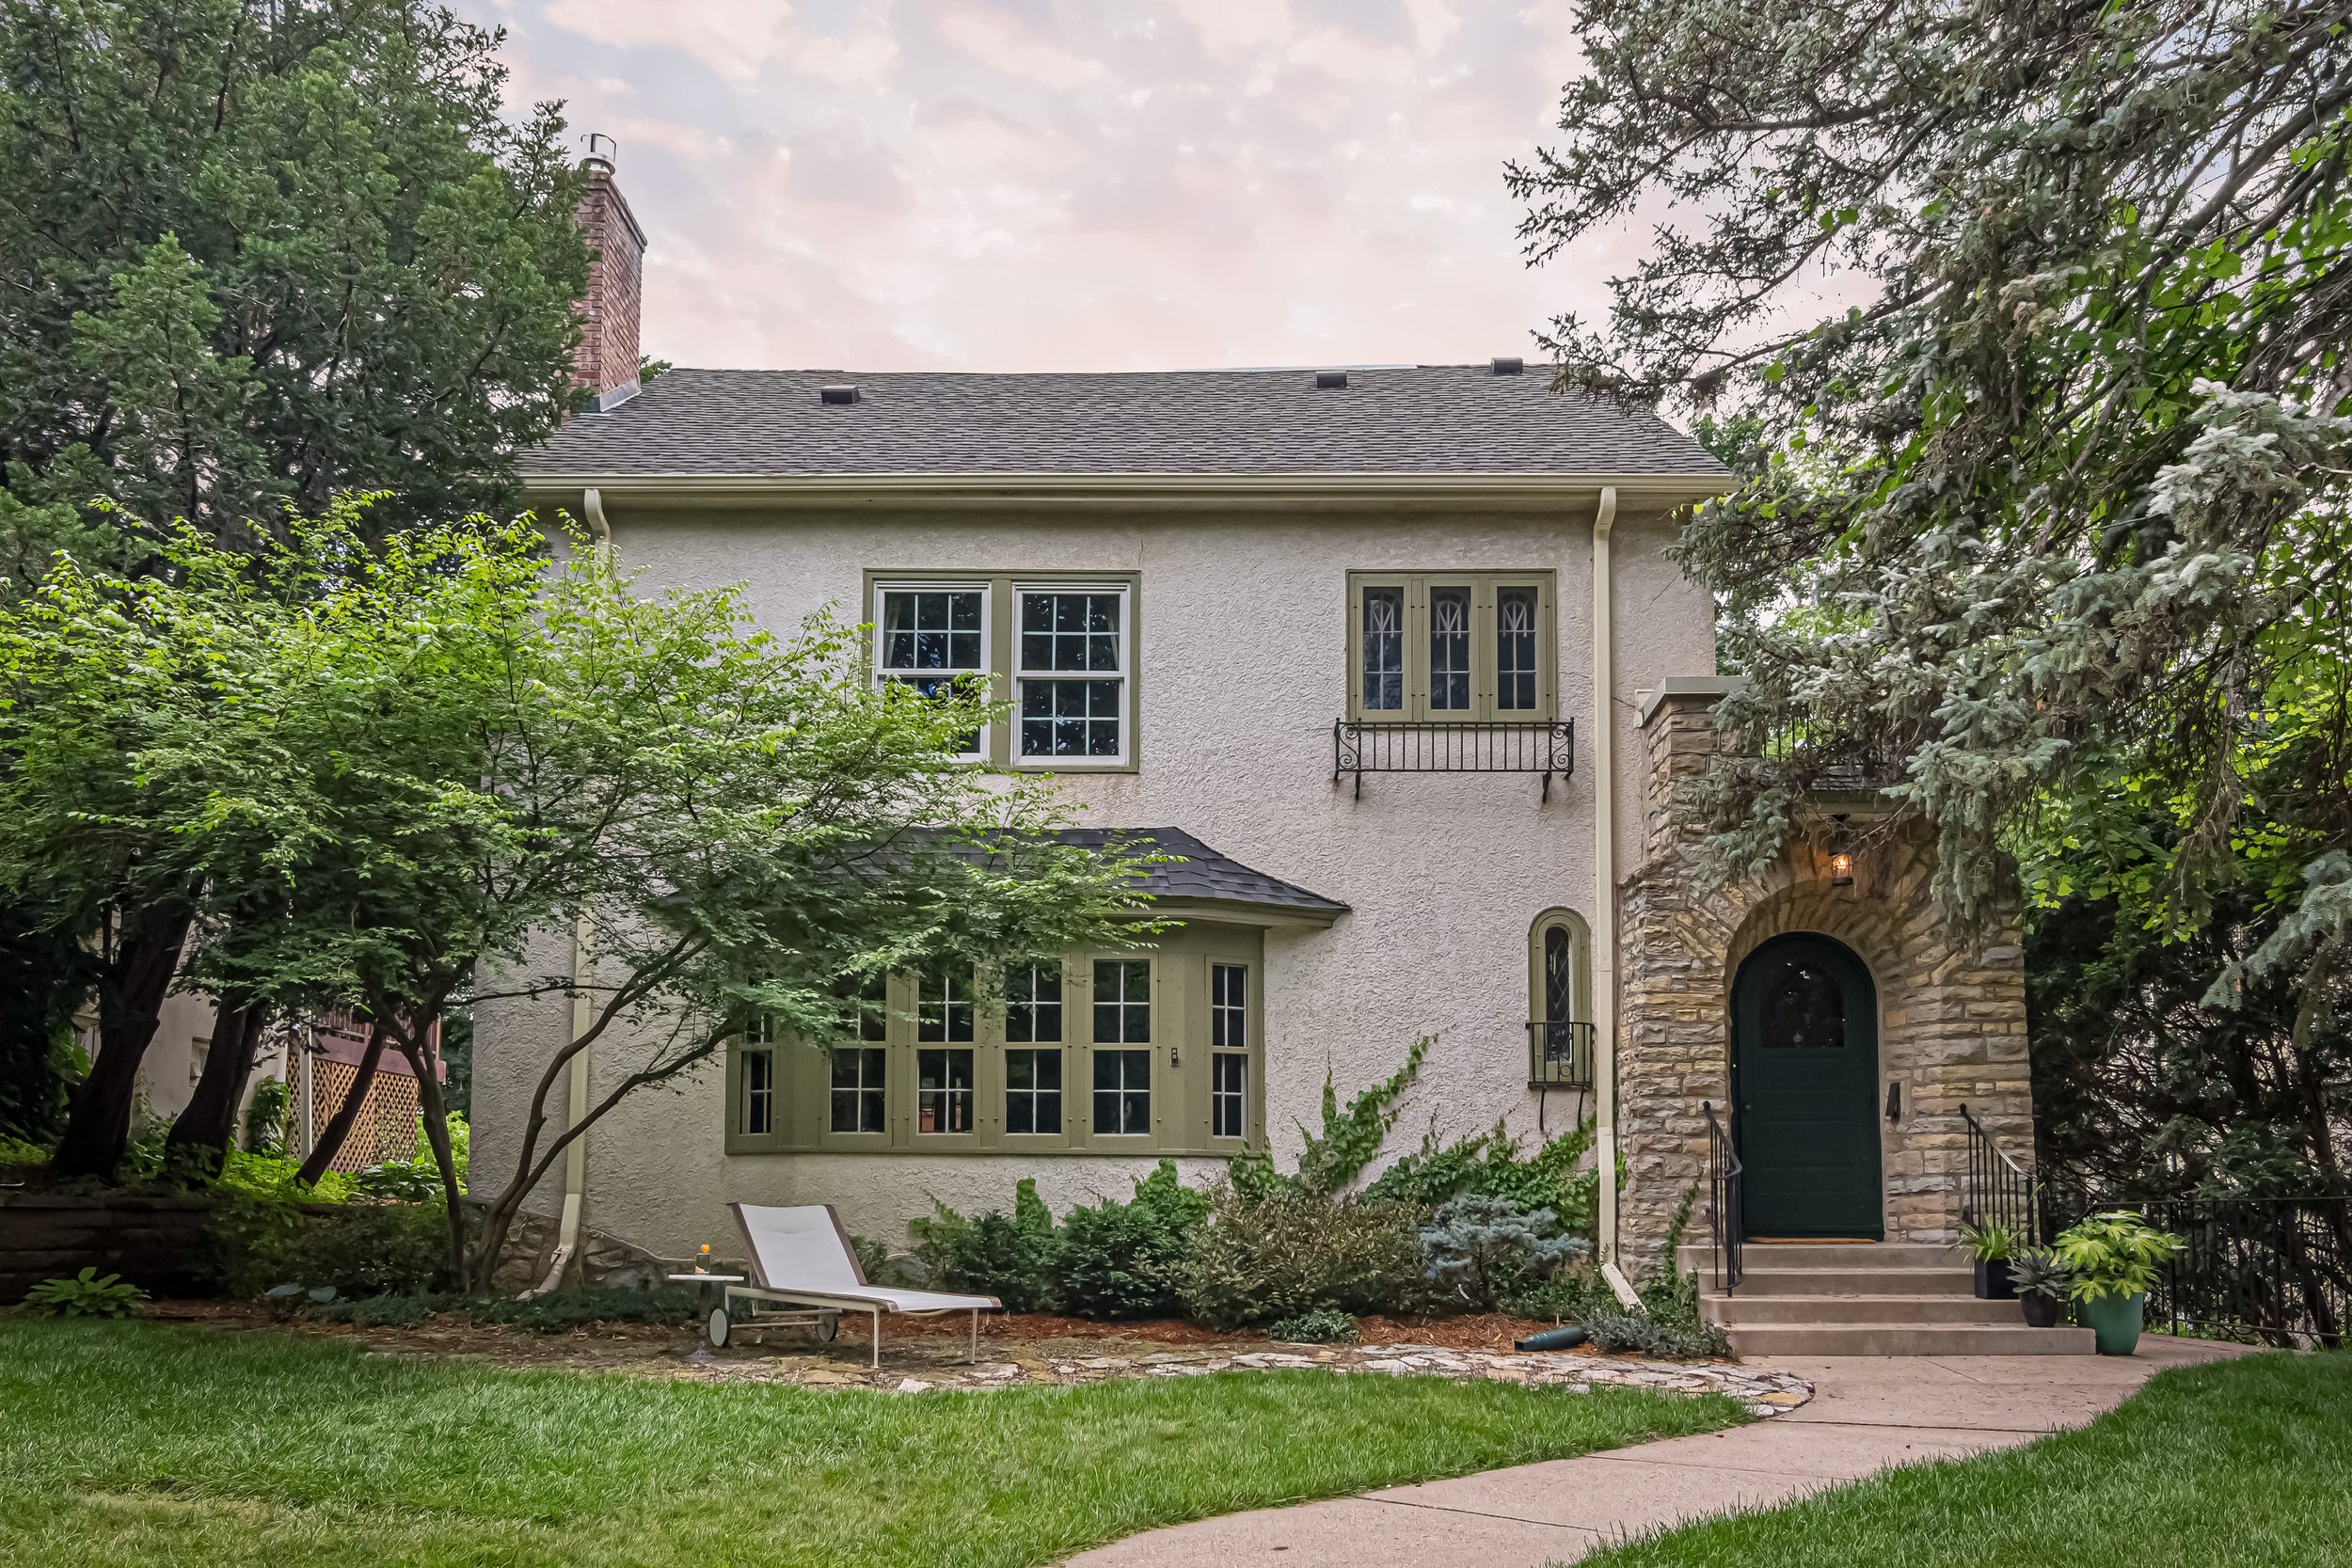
x: 1478, y: 1245
x: 16, y: 1151
x: 1567, y: 1298
x: 88, y: 1294
x: 580, y: 1306
x: 1009, y: 1258
x: 1490, y: 1163
x: 1322, y: 1326
x: 418, y: 1179
x: 1676, y: 1342
x: 265, y: 1118
x: 361, y: 1250
x: 1118, y: 1259
x: 393, y: 1312
x: 1281, y: 1250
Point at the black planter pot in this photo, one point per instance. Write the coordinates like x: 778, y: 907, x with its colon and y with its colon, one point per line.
x: 2041, y: 1311
x: 1993, y: 1280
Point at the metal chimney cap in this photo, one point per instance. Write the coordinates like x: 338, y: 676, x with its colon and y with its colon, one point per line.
x: 1508, y: 364
x: 1325, y: 380
x: 838, y: 392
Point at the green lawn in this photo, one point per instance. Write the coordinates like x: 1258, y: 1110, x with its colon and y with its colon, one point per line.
x: 125, y: 1444
x: 2240, y: 1462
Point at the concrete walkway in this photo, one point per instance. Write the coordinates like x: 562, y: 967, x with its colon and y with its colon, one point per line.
x: 1867, y: 1414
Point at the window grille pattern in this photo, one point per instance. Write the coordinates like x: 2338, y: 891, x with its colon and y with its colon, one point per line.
x: 1228, y: 1094
x: 1033, y: 1004
x: 1122, y: 1001
x: 1073, y: 673
x: 1123, y: 1093
x: 1515, y: 649
x: 1384, y: 649
x: 759, y: 1092
x: 1449, y: 650
x: 942, y: 1007
x: 857, y: 1090
x: 1229, y: 1006
x: 943, y: 1091
x: 932, y: 637
x: 1033, y: 1091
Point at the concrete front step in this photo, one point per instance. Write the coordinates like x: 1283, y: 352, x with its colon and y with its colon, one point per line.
x: 1851, y: 1282
x: 1745, y: 1310
x: 1903, y: 1339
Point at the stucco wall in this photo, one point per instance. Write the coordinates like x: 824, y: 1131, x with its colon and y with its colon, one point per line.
x: 1243, y: 669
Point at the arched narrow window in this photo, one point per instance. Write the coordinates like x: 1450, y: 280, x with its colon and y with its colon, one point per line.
x: 1560, y: 1001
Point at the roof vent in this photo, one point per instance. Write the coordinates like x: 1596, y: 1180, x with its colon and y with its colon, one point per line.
x: 1511, y: 365
x: 844, y: 392
x: 1325, y: 380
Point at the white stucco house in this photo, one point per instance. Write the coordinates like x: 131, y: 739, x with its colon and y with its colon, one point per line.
x: 1394, y: 658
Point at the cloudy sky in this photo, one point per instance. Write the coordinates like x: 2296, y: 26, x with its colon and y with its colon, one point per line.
x: 1069, y: 185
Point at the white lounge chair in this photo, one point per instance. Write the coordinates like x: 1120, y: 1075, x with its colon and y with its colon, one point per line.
x: 802, y: 1258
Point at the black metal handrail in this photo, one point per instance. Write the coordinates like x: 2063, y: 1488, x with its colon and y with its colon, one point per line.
x: 1724, y: 1170
x: 1999, y: 1192
x: 1559, y: 1055
x: 1362, y: 746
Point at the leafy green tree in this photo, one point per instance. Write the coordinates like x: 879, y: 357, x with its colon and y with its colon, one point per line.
x: 255, y: 252
x: 2035, y: 316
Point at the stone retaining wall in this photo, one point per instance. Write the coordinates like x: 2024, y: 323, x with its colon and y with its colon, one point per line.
x: 157, y: 1244
x: 1951, y: 1022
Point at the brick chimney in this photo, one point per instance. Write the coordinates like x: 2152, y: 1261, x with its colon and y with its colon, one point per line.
x: 606, y: 361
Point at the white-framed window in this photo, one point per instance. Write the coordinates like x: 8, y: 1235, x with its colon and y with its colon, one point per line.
x: 1071, y: 673
x: 930, y: 635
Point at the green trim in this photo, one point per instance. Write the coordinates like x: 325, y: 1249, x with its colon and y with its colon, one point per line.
x: 1001, y: 586
x: 1180, y: 1047
x: 1484, y: 677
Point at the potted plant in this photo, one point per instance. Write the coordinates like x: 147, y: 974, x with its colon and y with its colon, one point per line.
x: 1990, y: 1246
x: 2113, y: 1258
x: 2041, y: 1282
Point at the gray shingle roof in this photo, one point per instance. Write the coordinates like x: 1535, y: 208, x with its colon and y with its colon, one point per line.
x: 1202, y: 872
x: 1416, y: 419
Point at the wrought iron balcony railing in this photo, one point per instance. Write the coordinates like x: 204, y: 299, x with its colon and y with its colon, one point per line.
x: 1362, y: 746
x: 1559, y: 1055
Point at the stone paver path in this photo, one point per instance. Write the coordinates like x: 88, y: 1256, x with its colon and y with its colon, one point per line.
x: 1865, y: 1415
x: 916, y: 1367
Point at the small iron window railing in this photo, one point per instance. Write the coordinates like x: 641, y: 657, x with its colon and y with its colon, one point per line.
x: 1559, y: 1055
x: 1362, y: 746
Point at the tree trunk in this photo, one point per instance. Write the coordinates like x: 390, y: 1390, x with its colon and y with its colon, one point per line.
x: 331, y: 1136
x: 130, y: 993
x: 437, y: 1137
x: 202, y: 1133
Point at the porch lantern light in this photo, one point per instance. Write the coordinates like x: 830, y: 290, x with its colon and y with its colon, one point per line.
x: 1841, y: 857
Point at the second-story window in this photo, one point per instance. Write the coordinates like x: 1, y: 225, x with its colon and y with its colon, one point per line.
x: 1450, y: 647
x: 932, y: 637
x: 1072, y: 669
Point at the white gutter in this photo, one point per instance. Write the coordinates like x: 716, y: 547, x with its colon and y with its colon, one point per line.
x: 576, y: 1075
x: 1605, y: 893
x: 901, y: 489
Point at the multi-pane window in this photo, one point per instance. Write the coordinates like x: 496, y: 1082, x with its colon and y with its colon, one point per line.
x: 1122, y: 1001
x: 1229, y: 1006
x: 1123, y: 1092
x: 1229, y: 1095
x: 943, y: 1091
x: 873, y: 1009
x: 1465, y: 648
x: 1071, y: 661
x: 942, y: 1007
x: 759, y: 1091
x: 932, y: 637
x: 857, y: 1090
x: 1450, y: 650
x: 1033, y: 1003
x: 1033, y: 1090
x: 1384, y: 649
x: 1515, y: 649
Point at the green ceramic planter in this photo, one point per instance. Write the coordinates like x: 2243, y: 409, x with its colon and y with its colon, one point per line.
x: 2115, y: 1320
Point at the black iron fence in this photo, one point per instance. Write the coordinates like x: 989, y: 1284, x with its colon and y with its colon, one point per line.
x: 1999, y: 1194
x: 1723, y: 1202
x: 1395, y: 746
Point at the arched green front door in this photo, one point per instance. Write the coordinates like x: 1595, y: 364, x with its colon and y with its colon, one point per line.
x: 1803, y: 1080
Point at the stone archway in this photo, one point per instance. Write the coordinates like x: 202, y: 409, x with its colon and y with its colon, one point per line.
x: 1952, y: 1022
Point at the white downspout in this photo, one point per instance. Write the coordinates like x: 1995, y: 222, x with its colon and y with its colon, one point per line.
x: 575, y: 1076
x: 1605, y: 894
